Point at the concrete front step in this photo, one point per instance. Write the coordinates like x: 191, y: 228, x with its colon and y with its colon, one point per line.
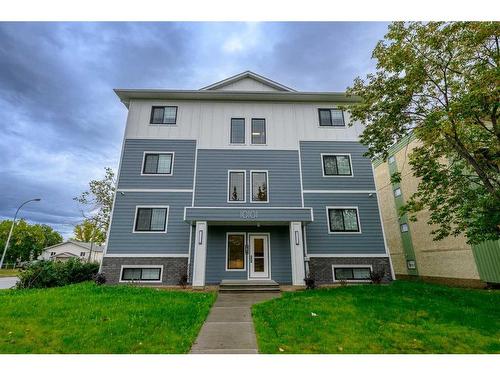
x: 248, y: 286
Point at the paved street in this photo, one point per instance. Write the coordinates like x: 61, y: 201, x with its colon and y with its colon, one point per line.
x: 7, y: 282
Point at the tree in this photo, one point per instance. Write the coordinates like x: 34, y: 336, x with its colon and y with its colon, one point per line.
x: 441, y: 82
x: 98, y: 201
x: 88, y: 231
x: 27, y: 241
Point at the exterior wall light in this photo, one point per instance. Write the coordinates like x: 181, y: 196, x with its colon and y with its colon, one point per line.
x: 200, y: 237
x: 297, y: 238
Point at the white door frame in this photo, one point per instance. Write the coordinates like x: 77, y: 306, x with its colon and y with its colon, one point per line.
x: 267, y: 256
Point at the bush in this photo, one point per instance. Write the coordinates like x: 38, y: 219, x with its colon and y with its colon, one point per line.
x: 183, y: 280
x: 377, y: 276
x: 310, y: 282
x: 46, y: 274
x: 99, y: 278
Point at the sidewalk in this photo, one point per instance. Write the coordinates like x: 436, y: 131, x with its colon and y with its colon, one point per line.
x: 229, y: 327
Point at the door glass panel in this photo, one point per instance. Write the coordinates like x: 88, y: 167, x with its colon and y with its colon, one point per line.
x: 258, y: 264
x: 258, y: 247
x: 236, y: 252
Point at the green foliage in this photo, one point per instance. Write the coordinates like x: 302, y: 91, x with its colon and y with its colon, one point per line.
x: 98, y: 201
x: 403, y: 317
x: 87, y: 318
x: 27, y: 241
x: 88, y: 231
x: 47, y: 274
x: 441, y: 82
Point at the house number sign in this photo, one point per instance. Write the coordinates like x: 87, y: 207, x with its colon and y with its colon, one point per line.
x: 248, y: 214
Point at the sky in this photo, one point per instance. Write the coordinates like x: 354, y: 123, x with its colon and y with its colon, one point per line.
x: 62, y: 124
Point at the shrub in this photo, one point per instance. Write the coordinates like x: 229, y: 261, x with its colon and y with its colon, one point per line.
x: 46, y: 274
x: 310, y: 282
x: 377, y: 276
x: 183, y: 280
x: 99, y: 278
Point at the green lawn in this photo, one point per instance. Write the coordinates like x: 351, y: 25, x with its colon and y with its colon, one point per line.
x: 403, y: 317
x: 8, y: 272
x: 85, y: 318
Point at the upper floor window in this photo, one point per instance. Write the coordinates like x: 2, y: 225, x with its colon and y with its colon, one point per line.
x: 164, y: 115
x: 336, y: 165
x: 343, y: 220
x: 236, y: 186
x: 151, y: 219
x: 260, y: 193
x: 82, y: 254
x: 158, y: 163
x: 238, y: 130
x: 331, y: 117
x: 258, y: 131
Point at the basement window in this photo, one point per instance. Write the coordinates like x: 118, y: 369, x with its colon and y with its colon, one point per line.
x: 148, y: 274
x: 351, y: 273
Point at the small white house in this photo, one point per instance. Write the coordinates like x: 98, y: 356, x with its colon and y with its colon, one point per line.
x: 73, y: 249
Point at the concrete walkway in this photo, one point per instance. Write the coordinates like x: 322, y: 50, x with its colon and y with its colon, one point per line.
x: 229, y: 327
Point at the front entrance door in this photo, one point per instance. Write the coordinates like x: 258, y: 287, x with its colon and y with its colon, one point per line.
x: 259, y: 256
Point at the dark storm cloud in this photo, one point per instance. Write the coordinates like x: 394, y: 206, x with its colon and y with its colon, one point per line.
x: 62, y: 124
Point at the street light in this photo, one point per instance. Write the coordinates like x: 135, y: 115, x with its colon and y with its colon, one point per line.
x: 12, y: 227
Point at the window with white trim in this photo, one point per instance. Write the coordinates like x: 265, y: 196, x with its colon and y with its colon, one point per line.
x: 258, y: 131
x: 331, y: 117
x: 342, y: 220
x: 141, y: 274
x: 166, y: 115
x: 260, y: 193
x: 352, y: 273
x: 336, y: 165
x: 235, y: 252
x: 158, y: 163
x: 52, y: 253
x: 151, y: 219
x: 237, y: 131
x: 397, y: 192
x: 236, y: 186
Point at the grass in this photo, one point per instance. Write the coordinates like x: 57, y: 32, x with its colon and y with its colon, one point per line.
x: 8, y: 272
x: 404, y: 317
x: 85, y: 318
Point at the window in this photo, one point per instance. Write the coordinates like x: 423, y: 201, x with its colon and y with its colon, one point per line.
x: 52, y: 253
x: 352, y: 273
x: 336, y: 165
x: 331, y: 117
x: 260, y: 192
x: 82, y: 254
x: 141, y: 274
x: 391, y: 159
x: 236, y: 186
x: 343, y: 220
x: 151, y: 219
x: 235, y: 251
x: 404, y: 228
x: 397, y: 192
x: 238, y: 130
x: 258, y: 131
x: 411, y: 265
x: 163, y: 115
x: 158, y: 163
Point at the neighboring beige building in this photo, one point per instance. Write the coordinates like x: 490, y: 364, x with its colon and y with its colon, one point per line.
x: 73, y: 249
x: 413, y: 251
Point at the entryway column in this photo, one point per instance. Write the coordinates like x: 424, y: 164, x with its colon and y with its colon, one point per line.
x: 297, y: 249
x: 200, y: 254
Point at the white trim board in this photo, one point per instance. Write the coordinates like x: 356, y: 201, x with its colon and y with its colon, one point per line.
x: 347, y: 255
x: 117, y: 255
x: 340, y: 191
x: 154, y: 190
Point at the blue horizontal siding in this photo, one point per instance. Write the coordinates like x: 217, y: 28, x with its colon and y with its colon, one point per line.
x: 131, y: 165
x: 254, y: 214
x: 122, y: 240
x: 319, y: 241
x: 312, y: 167
x: 281, y: 266
x: 283, y: 174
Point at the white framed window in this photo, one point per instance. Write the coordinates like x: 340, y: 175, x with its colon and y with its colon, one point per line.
x: 331, y: 117
x: 235, y: 251
x: 52, y: 253
x: 141, y: 273
x: 163, y: 115
x: 352, y: 272
x: 391, y: 159
x: 82, y: 254
x: 157, y: 163
x: 397, y: 192
x: 151, y: 219
x: 336, y: 165
x: 237, y: 132
x: 259, y: 187
x: 236, y: 186
x: 343, y: 220
x: 404, y: 227
x: 258, y: 131
x: 411, y: 264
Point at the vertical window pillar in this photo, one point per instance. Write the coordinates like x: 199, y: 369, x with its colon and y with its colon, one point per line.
x: 200, y: 254
x: 297, y: 250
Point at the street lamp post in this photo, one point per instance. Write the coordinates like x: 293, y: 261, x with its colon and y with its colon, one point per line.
x: 12, y: 228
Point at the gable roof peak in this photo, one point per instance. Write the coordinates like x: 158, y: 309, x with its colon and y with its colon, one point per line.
x: 247, y: 74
